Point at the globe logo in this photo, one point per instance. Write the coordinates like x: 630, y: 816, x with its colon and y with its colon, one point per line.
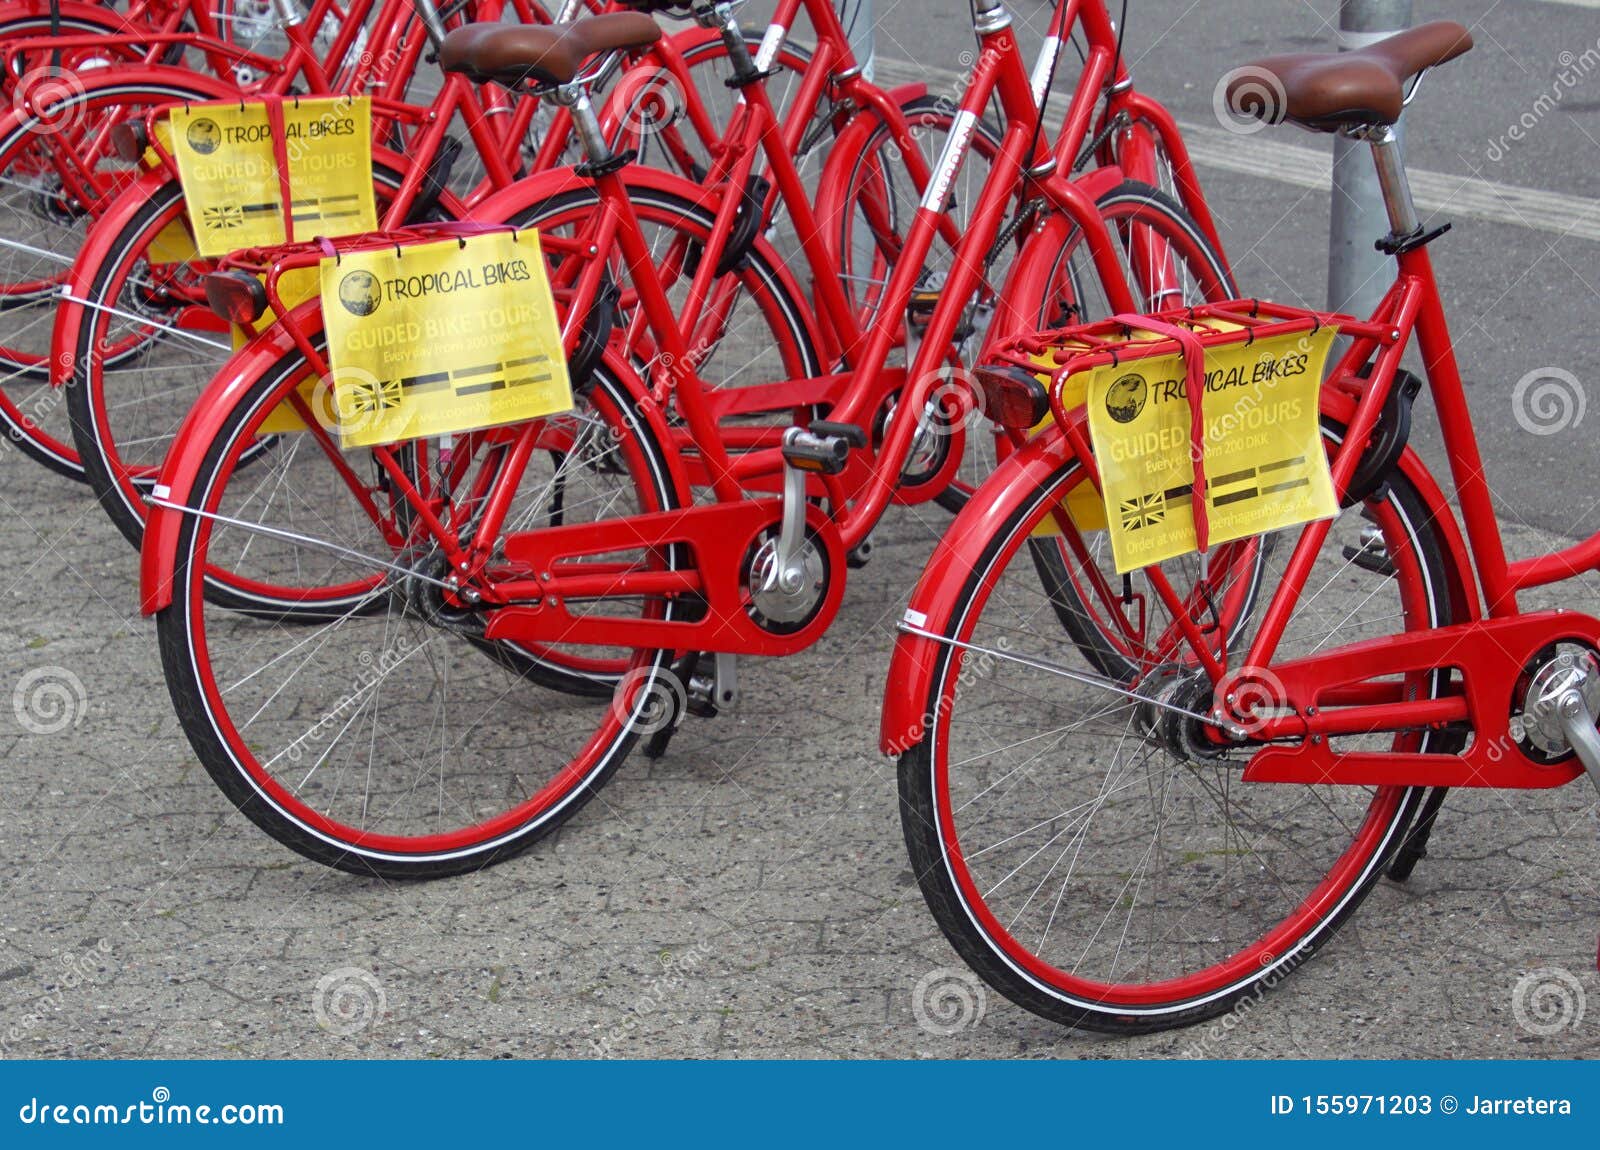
x: 1125, y: 398
x: 360, y: 293
x: 204, y: 136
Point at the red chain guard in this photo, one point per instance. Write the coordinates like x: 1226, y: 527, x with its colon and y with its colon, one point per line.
x: 1488, y: 654
x: 718, y: 537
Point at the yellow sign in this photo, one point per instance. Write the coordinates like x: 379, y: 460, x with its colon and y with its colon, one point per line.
x: 442, y: 337
x: 1264, y: 461
x: 228, y: 164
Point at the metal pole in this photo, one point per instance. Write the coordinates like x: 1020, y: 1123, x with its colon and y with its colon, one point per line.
x: 859, y: 18
x: 1358, y: 274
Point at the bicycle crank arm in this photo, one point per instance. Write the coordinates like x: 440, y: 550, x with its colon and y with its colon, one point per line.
x: 1578, y: 724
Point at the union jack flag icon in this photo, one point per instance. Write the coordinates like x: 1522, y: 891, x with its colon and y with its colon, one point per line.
x: 1144, y: 511
x: 366, y: 398
x: 228, y: 216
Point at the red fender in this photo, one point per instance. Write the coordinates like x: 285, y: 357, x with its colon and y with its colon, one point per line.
x: 938, y: 590
x: 501, y: 205
x: 76, y: 18
x: 95, y: 251
x: 182, y: 82
x: 905, y: 720
x: 847, y: 148
x: 205, y: 420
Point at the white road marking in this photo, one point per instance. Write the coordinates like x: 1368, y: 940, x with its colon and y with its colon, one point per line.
x: 1266, y: 155
x: 1269, y: 155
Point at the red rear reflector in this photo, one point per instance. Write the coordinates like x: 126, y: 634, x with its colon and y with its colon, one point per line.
x: 128, y: 141
x: 1013, y: 397
x: 237, y: 297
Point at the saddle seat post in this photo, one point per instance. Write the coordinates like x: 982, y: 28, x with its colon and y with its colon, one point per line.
x: 1392, y: 181
x: 574, y: 97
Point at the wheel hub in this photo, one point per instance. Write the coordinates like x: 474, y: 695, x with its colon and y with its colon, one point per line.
x: 421, y: 596
x: 780, y: 604
x: 1171, y: 699
x: 1537, y: 724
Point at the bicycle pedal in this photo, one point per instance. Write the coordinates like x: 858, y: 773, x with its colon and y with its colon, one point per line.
x: 823, y: 448
x: 919, y: 308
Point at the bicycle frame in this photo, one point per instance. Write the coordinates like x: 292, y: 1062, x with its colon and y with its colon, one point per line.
x: 1028, y: 162
x: 1361, y: 688
x: 864, y: 491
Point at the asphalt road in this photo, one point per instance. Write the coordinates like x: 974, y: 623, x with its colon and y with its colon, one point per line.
x: 749, y: 894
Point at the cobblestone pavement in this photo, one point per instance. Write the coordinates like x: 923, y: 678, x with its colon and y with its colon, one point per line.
x: 746, y: 895
x: 749, y: 893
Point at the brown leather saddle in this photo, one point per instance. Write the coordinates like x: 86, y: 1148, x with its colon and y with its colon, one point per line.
x: 542, y: 54
x: 1325, y: 91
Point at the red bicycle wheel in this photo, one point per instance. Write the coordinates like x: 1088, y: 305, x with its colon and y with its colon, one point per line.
x: 1087, y: 852
x: 382, y: 740
x: 58, y: 172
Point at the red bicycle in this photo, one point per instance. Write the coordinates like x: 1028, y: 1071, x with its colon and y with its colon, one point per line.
x: 133, y: 335
x: 58, y: 148
x: 499, y: 617
x: 1138, y: 852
